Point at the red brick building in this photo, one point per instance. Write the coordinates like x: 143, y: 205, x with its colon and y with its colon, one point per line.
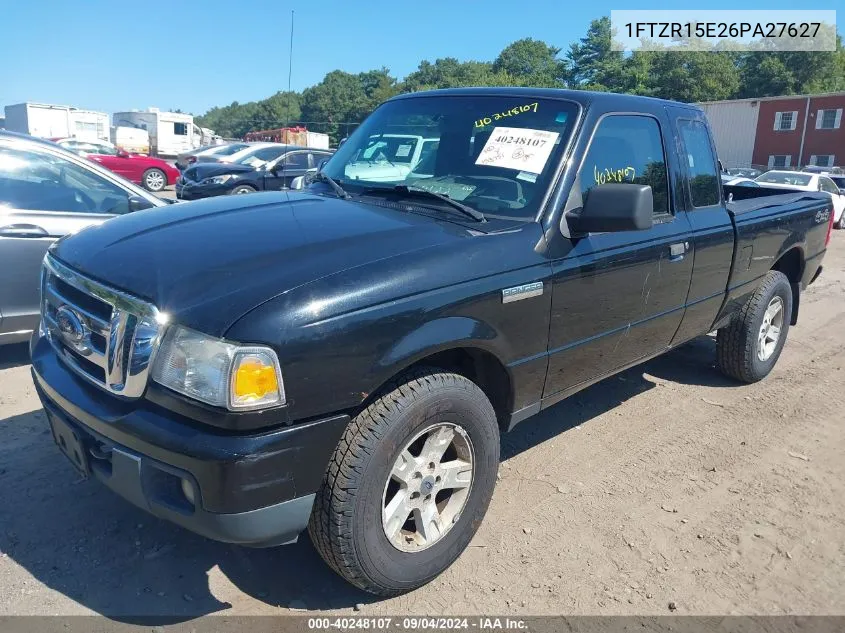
x: 793, y: 131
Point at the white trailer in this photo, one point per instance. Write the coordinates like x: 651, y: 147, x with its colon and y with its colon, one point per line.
x: 47, y: 120
x: 317, y: 140
x: 170, y: 132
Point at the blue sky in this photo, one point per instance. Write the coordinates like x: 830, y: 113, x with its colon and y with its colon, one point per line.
x: 113, y: 56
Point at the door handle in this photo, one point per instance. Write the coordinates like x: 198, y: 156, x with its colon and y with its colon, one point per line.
x: 22, y: 230
x: 677, y: 251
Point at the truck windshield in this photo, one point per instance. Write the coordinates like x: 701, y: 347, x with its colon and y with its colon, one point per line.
x: 493, y: 153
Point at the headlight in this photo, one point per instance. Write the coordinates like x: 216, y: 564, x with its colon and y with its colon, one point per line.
x: 219, y: 180
x: 219, y: 373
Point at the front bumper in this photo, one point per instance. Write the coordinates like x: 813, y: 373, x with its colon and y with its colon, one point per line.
x: 254, y: 489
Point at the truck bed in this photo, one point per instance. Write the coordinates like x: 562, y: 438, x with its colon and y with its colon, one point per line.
x: 769, y: 223
x: 765, y: 197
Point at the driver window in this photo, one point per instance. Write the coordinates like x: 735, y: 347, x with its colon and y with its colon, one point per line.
x: 34, y: 181
x: 627, y: 148
x: 297, y: 160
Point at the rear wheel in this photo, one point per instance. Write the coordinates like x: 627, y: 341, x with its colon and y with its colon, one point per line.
x: 154, y: 180
x: 409, y: 483
x: 748, y: 348
x: 241, y: 189
x: 840, y: 224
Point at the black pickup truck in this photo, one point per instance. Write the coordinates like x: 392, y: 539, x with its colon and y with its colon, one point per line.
x: 344, y: 358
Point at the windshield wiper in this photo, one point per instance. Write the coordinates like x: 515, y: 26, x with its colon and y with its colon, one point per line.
x: 340, y: 191
x: 478, y: 216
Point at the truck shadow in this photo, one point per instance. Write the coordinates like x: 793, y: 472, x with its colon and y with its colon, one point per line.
x: 690, y: 364
x: 16, y: 355
x: 79, y: 539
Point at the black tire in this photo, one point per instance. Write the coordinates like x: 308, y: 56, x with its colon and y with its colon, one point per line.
x: 242, y: 189
x: 841, y: 223
x: 737, y: 343
x: 154, y: 180
x: 346, y: 521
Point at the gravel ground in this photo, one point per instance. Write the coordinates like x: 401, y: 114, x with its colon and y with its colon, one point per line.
x: 666, y: 484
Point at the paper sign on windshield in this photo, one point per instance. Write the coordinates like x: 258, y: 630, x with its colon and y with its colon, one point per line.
x: 518, y: 148
x: 403, y: 150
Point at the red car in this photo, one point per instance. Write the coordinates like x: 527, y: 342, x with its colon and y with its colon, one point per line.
x: 151, y: 173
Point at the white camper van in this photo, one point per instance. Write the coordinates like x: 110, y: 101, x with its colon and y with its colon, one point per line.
x: 170, y: 132
x: 46, y: 120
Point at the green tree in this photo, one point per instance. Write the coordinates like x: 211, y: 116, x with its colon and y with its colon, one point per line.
x: 448, y: 72
x: 693, y: 75
x: 531, y: 62
x: 591, y: 64
x: 343, y: 98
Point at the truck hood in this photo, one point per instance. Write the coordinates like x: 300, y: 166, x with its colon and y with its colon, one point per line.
x: 209, y: 262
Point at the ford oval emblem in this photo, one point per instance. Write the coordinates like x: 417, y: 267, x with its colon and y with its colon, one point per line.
x: 70, y: 325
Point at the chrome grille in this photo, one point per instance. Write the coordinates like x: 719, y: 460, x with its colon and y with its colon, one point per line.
x: 104, y: 335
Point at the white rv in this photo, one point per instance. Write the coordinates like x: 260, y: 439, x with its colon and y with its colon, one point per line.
x: 131, y: 139
x: 170, y: 132
x: 57, y: 121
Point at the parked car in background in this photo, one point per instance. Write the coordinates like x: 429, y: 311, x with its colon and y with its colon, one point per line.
x: 47, y: 192
x: 186, y: 159
x: 154, y: 174
x: 391, y: 156
x: 268, y: 168
x: 821, y: 169
x: 745, y: 172
x: 83, y: 147
x: 738, y: 182
x: 808, y: 181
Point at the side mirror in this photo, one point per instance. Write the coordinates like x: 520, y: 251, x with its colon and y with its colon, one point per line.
x: 139, y: 203
x: 298, y: 183
x: 122, y: 153
x: 615, y: 207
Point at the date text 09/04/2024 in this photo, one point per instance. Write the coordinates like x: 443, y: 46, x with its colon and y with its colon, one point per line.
x: 418, y: 623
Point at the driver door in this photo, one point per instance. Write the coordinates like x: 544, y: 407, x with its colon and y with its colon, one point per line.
x: 43, y: 196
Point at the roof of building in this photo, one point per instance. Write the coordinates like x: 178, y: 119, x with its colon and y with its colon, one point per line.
x: 778, y: 98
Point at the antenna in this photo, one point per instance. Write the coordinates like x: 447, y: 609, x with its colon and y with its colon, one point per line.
x: 290, y: 70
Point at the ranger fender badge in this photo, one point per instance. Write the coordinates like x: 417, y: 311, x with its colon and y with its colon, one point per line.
x: 524, y: 291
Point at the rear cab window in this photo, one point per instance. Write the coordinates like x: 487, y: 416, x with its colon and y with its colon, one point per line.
x: 704, y: 182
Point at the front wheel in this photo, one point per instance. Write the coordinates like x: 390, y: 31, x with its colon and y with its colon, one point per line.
x: 154, y: 180
x: 241, y: 189
x: 409, y: 483
x: 748, y: 348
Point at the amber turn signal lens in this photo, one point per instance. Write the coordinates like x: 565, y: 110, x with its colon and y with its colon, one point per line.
x: 254, y: 379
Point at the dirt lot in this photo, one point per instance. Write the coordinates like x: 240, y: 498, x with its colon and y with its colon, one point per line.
x: 666, y: 484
